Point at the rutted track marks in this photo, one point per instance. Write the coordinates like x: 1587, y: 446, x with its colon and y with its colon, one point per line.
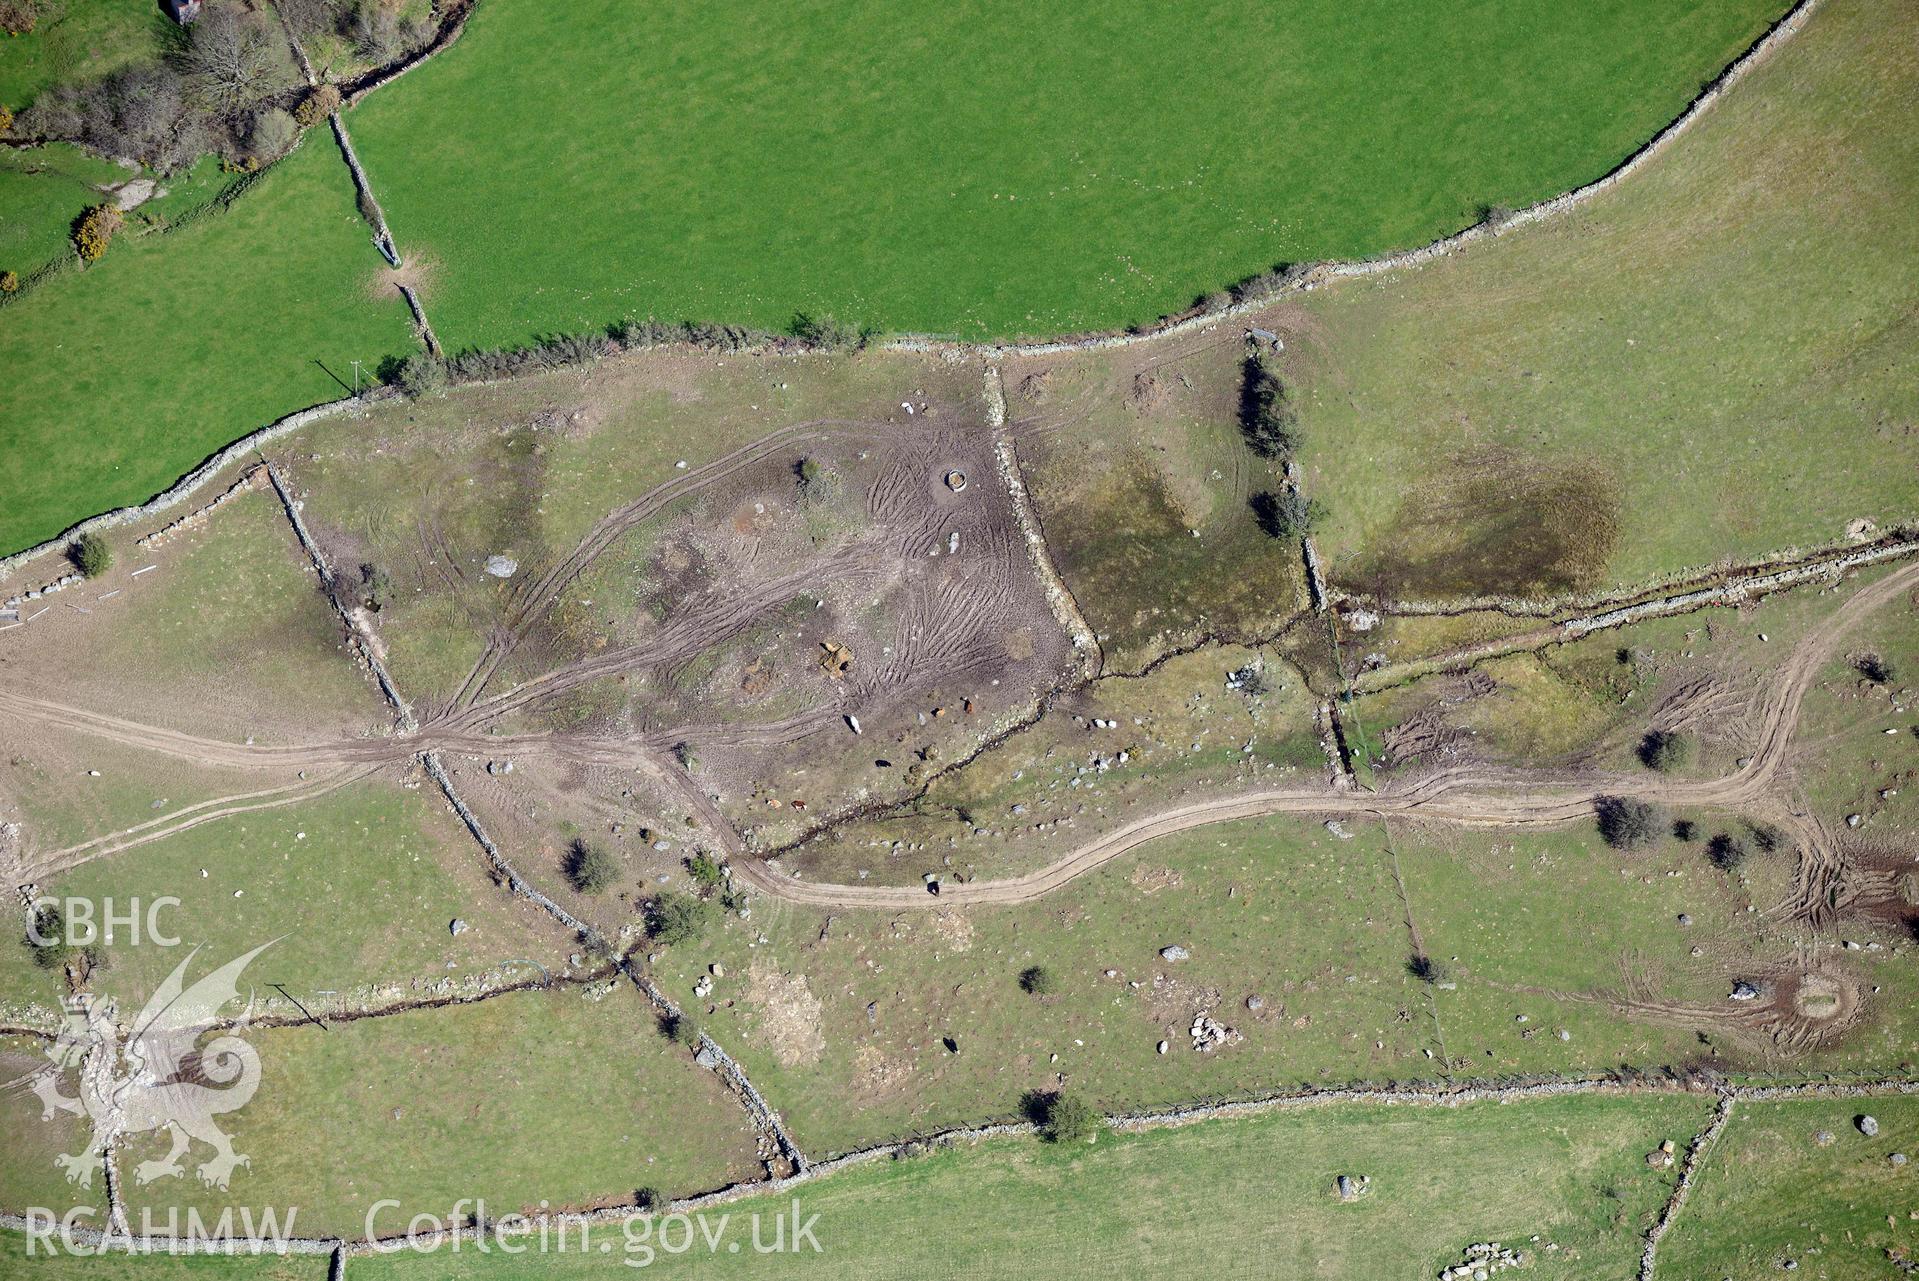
x: 1466, y: 796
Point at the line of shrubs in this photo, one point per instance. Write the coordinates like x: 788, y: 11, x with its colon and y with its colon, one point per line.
x: 1269, y: 422
x: 1628, y: 824
x: 1258, y: 287
x: 423, y: 372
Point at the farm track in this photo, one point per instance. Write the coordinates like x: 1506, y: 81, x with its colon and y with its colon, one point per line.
x: 1466, y: 796
x: 192, y: 816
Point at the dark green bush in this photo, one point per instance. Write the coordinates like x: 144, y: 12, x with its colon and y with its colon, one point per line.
x: 1727, y: 852
x: 1069, y: 1118
x: 374, y: 586
x: 420, y: 374
x: 1876, y: 668
x: 1426, y: 969
x: 321, y: 102
x: 825, y: 331
x: 49, y: 949
x: 1265, y: 284
x: 91, y: 555
x: 1627, y: 824
x: 1285, y: 513
x: 673, y: 918
x: 1267, y: 418
x: 705, y: 870
x: 591, y: 868
x: 1665, y: 751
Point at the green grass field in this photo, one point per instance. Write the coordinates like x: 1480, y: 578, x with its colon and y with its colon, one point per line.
x: 1243, y: 1199
x: 989, y: 169
x: 28, y: 1174
x: 229, y: 636
x: 542, y: 1096
x: 15, y: 1261
x: 1860, y: 753
x: 397, y: 857
x: 1315, y: 926
x: 42, y: 192
x: 125, y: 376
x: 1496, y: 913
x: 1711, y: 360
x: 1768, y: 1193
x: 1284, y: 911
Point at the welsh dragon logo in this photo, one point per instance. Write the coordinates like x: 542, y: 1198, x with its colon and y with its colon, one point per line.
x: 162, y: 1078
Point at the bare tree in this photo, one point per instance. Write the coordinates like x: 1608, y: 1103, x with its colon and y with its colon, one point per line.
x: 138, y: 112
x: 270, y: 135
x: 230, y: 56
x: 372, y: 30
x: 310, y: 17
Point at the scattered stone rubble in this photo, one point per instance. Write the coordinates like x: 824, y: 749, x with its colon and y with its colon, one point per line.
x: 1481, y: 1260
x: 1209, y: 1034
x: 59, y: 584
x: 1250, y: 678
x: 194, y: 519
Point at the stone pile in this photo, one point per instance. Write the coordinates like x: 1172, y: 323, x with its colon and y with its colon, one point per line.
x: 1242, y: 677
x: 1482, y: 1259
x: 1209, y: 1033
